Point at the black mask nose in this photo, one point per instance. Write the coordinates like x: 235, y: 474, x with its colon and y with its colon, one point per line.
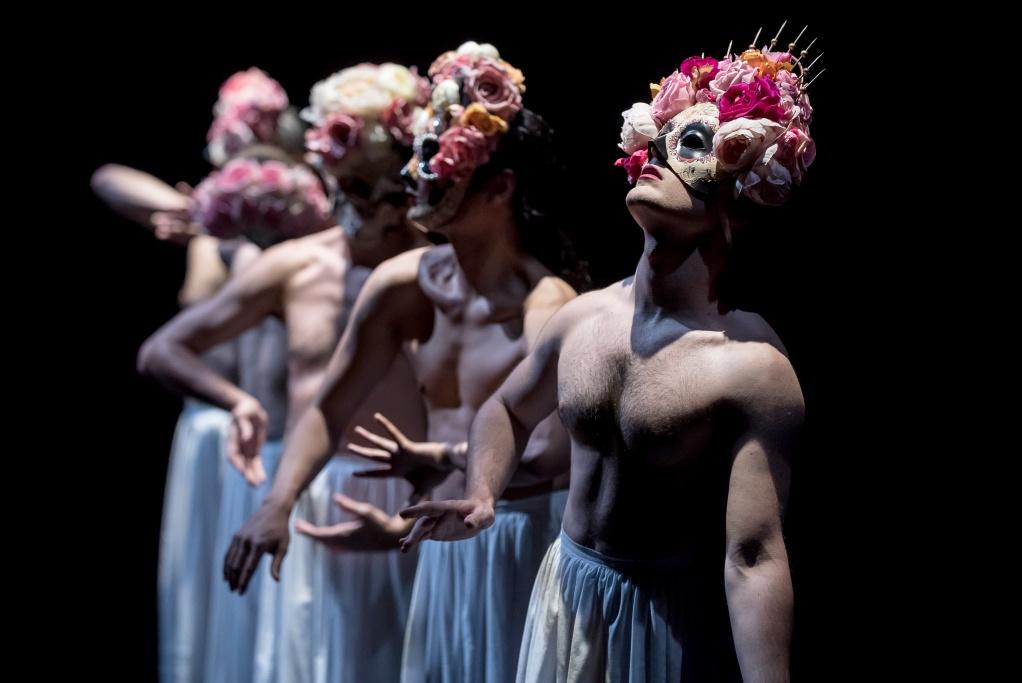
x: 428, y: 149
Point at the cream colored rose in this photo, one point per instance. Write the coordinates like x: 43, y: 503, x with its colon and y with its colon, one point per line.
x: 474, y: 49
x: 737, y: 144
x: 638, y: 128
x: 445, y: 94
x: 398, y: 80
x: 354, y: 91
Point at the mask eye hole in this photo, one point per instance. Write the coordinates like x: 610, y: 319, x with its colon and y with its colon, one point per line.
x: 694, y: 141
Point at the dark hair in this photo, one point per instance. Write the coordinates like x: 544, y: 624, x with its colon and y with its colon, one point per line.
x: 528, y: 150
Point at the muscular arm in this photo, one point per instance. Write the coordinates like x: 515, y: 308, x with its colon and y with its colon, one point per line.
x: 385, y: 314
x: 172, y: 353
x: 756, y: 576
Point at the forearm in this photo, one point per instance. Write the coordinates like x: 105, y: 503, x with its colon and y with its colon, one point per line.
x: 310, y: 445
x: 134, y: 194
x: 183, y: 371
x: 759, y: 601
x: 495, y: 446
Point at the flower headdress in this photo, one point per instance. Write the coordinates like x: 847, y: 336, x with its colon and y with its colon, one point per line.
x: 267, y: 201
x: 247, y: 112
x: 474, y: 99
x: 367, y: 107
x: 759, y: 108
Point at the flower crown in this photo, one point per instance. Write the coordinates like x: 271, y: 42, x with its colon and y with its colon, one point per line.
x: 269, y: 198
x: 368, y: 107
x: 764, y: 115
x: 246, y: 113
x: 476, y: 94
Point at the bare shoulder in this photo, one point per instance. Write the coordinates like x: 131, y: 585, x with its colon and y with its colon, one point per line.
x: 598, y: 307
x: 760, y: 380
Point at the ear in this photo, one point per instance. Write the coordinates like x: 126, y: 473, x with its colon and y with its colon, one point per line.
x: 501, y: 189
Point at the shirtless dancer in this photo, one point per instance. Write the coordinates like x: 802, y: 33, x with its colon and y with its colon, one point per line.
x: 338, y: 617
x: 464, y: 314
x: 682, y: 414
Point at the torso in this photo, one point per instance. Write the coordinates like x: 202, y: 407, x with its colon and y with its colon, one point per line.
x: 469, y: 349
x: 652, y: 424
x: 317, y: 303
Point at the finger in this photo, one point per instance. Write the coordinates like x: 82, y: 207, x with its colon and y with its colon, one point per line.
x: 278, y: 559
x: 380, y: 473
x: 327, y: 534
x: 478, y: 519
x: 377, y: 454
x: 183, y: 187
x: 427, y: 509
x: 420, y: 532
x: 257, y: 472
x: 229, y: 558
x: 390, y: 427
x: 353, y: 506
x: 237, y: 562
x: 249, y: 569
x: 385, y: 444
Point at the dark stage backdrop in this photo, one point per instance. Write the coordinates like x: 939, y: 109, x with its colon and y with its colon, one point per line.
x: 148, y: 93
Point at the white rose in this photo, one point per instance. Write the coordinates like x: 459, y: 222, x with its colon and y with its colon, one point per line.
x: 474, y: 49
x: 355, y: 91
x: 398, y: 80
x: 445, y: 94
x: 421, y: 122
x: 638, y: 128
x: 768, y: 182
x: 737, y: 143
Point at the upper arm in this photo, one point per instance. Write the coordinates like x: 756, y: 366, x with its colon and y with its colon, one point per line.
x: 246, y: 299
x: 205, y: 272
x: 530, y: 391
x: 772, y: 411
x: 382, y: 318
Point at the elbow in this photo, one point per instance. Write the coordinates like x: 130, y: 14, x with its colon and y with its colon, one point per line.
x: 751, y: 557
x: 101, y: 178
x: 148, y: 360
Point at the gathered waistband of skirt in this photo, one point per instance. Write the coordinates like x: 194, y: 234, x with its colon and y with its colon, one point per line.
x: 624, y: 565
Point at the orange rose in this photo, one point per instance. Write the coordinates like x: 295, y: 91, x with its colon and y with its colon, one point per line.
x: 476, y: 116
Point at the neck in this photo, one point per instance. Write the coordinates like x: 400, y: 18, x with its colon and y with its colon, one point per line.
x: 487, y: 256
x: 398, y: 239
x: 678, y: 279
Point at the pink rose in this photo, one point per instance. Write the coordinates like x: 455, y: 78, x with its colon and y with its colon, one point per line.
x: 462, y: 150
x: 731, y: 72
x: 705, y: 96
x: 332, y: 140
x: 701, y: 70
x: 633, y: 164
x: 638, y: 128
x: 740, y: 142
x: 796, y: 151
x: 236, y: 175
x: 676, y: 94
x: 758, y: 99
x: 398, y: 121
x: 489, y: 85
x: 252, y: 87
x: 275, y: 175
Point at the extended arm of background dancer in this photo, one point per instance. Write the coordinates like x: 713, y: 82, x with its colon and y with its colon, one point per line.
x: 172, y: 354
x: 498, y: 439
x: 163, y: 209
x: 378, y: 325
x: 425, y: 465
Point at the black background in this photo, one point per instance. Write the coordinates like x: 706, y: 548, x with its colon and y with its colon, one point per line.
x: 143, y: 98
